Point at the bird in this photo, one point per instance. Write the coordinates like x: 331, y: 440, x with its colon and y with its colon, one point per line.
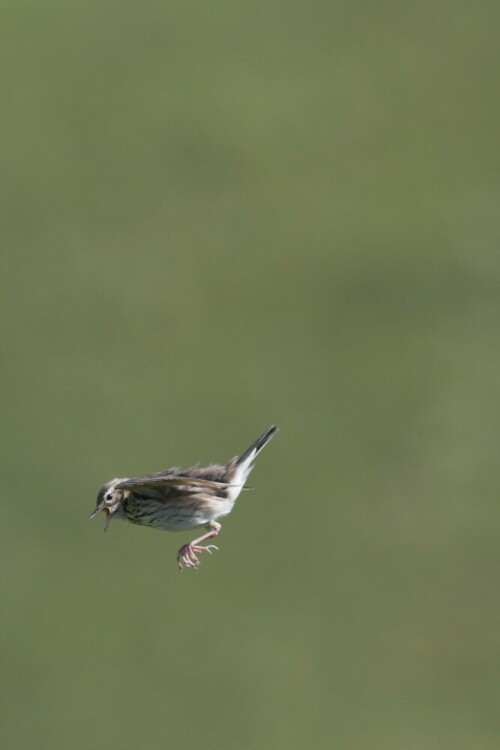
x: 182, y: 498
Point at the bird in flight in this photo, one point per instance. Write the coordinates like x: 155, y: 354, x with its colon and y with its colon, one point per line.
x: 179, y: 499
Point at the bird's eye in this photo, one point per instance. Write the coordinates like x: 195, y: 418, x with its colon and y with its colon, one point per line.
x: 109, y: 496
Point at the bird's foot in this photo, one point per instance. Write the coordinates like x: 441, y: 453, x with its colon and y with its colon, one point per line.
x: 187, y: 554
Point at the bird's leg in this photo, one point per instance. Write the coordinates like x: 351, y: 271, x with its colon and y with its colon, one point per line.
x: 187, y: 554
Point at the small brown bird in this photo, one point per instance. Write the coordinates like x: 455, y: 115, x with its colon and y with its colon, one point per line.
x: 179, y: 499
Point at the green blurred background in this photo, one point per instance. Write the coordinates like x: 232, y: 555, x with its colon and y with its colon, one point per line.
x: 217, y: 216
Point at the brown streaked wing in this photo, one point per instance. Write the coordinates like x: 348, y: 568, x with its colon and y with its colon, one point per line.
x: 190, y: 483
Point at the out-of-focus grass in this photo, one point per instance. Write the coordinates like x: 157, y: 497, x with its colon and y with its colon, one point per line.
x: 217, y: 217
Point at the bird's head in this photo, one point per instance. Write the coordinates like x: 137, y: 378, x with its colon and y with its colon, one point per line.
x: 109, y: 500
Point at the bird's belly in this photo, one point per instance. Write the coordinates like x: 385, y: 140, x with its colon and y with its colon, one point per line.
x: 178, y: 517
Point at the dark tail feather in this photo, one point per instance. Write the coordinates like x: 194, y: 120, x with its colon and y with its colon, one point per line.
x: 258, y: 444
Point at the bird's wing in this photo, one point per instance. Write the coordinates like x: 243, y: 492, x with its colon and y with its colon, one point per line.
x: 167, y: 480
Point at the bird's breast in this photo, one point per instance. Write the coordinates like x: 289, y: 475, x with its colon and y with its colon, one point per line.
x: 175, y: 516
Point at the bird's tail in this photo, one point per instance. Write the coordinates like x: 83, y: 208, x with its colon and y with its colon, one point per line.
x: 240, y: 468
x: 256, y: 447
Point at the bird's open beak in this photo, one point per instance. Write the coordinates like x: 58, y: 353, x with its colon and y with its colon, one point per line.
x: 106, y: 511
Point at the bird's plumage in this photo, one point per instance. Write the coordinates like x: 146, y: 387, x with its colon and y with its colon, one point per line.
x: 181, y: 498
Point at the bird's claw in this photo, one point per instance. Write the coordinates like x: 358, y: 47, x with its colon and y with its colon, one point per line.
x: 187, y: 554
